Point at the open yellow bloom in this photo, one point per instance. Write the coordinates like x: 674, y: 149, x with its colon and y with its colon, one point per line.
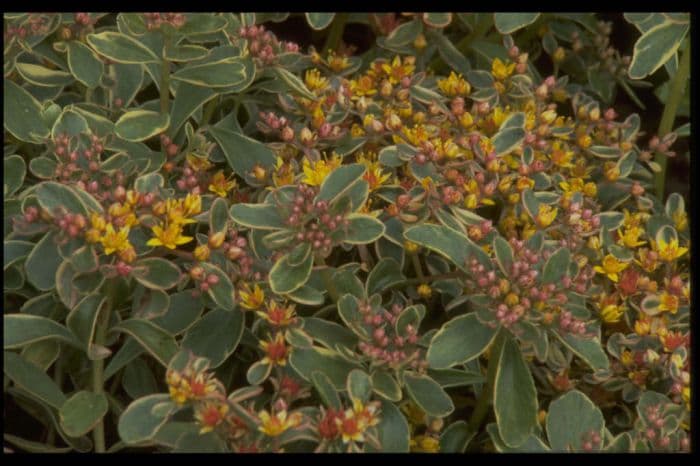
x: 500, y: 70
x: 98, y: 224
x: 425, y: 444
x: 366, y: 415
x: 560, y: 156
x: 373, y: 175
x: 276, y: 425
x: 175, y: 212
x: 210, y: 414
x: 185, y: 386
x: 611, y: 267
x: 669, y: 252
x: 612, y: 313
x: 398, y: 69
x: 251, y: 299
x: 362, y: 86
x: 630, y: 237
x: 220, y: 185
x: 276, y: 351
x: 277, y: 315
x: 170, y: 237
x: 454, y: 85
x: 192, y: 204
x: 546, y: 215
x: 314, y: 81
x: 97, y: 221
x: 646, y: 261
x: 197, y: 163
x: 668, y: 302
x: 283, y: 173
x: 115, y: 241
x: 316, y: 172
x: 336, y: 62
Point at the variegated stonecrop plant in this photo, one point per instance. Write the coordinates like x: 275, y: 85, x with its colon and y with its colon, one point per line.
x: 216, y: 241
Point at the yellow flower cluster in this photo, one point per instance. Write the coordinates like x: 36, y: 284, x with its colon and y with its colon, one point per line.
x: 112, y: 240
x: 177, y: 213
x: 316, y: 172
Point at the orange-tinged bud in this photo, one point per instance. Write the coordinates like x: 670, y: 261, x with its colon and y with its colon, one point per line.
x: 217, y: 239
x: 259, y: 173
x: 202, y: 252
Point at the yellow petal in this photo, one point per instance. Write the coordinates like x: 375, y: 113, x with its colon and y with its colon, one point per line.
x: 152, y: 242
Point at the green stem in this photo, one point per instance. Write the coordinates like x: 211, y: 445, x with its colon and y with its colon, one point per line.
x: 485, y: 399
x: 417, y: 267
x: 327, y: 277
x: 335, y: 35
x: 110, y: 89
x: 209, y: 110
x: 365, y: 256
x: 668, y: 117
x: 98, y: 368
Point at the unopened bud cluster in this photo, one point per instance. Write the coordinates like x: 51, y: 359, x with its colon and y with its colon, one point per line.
x: 233, y: 246
x: 155, y: 21
x: 263, y: 44
x: 35, y: 25
x: 314, y: 221
x: 386, y: 345
x: 521, y: 293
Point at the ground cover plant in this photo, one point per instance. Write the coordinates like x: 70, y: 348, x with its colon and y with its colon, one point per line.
x: 457, y: 236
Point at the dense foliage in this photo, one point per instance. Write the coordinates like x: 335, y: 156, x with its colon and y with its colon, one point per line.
x: 219, y: 240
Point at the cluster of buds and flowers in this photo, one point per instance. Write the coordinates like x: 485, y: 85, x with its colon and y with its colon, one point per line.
x: 264, y: 45
x: 275, y: 349
x: 113, y: 238
x: 278, y: 315
x: 281, y: 126
x: 315, y: 222
x: 155, y: 21
x: 34, y: 25
x: 174, y: 214
x: 425, y: 430
x: 72, y: 225
x: 388, y: 345
x: 71, y: 159
x: 350, y: 425
x: 232, y: 245
x: 590, y: 440
x: 204, y: 281
x: 276, y: 423
x: 193, y: 382
x: 657, y: 425
x: 520, y: 293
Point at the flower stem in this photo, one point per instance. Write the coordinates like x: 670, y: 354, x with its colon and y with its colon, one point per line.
x: 668, y: 117
x: 335, y: 35
x: 98, y: 367
x: 417, y: 267
x: 486, y: 397
x: 209, y: 110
